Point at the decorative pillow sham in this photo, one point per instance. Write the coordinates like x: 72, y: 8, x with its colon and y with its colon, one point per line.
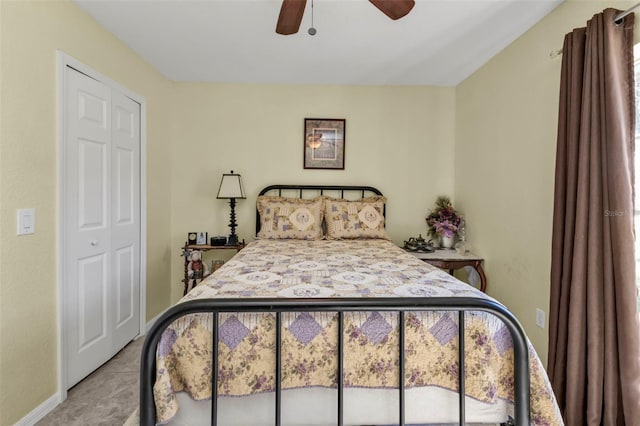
x: 290, y: 218
x: 348, y: 219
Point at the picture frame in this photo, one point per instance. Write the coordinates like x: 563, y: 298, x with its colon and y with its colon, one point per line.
x: 201, y: 238
x: 192, y: 237
x: 324, y: 143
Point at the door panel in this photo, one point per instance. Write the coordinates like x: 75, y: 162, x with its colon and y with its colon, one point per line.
x: 125, y: 285
x: 92, y: 109
x: 87, y: 239
x: 125, y: 187
x: 102, y: 223
x: 125, y: 119
x: 125, y: 225
x: 92, y: 301
x: 92, y: 184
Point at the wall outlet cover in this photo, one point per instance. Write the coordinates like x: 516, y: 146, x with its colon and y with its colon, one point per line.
x: 540, y: 318
x: 26, y: 221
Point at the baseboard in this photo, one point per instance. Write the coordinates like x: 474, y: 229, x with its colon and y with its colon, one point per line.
x: 47, y: 406
x: 40, y: 411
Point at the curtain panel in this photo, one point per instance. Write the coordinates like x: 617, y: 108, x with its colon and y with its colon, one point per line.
x: 594, y: 334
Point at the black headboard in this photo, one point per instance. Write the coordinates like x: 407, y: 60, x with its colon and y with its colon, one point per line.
x: 299, y: 191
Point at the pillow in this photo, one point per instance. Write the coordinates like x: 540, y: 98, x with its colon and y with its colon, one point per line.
x: 290, y: 218
x: 355, y: 219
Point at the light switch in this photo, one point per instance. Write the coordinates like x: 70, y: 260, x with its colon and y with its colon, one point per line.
x: 26, y: 221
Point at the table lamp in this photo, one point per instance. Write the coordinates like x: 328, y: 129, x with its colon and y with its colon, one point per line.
x: 231, y: 188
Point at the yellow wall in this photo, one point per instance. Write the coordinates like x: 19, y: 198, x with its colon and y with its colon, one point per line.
x: 505, y: 162
x: 399, y: 139
x: 30, y: 33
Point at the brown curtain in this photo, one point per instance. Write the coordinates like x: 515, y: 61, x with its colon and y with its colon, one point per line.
x: 594, y: 335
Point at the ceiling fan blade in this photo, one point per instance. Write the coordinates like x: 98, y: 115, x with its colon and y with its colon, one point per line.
x: 394, y: 9
x: 290, y: 17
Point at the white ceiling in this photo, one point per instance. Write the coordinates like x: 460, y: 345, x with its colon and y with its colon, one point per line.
x: 440, y: 42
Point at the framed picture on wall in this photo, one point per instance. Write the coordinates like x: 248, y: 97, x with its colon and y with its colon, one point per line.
x: 324, y: 140
x: 201, y: 238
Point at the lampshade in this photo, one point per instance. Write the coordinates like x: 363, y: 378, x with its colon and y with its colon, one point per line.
x: 231, y: 186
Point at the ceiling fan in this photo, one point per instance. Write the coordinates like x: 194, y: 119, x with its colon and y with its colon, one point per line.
x: 291, y: 12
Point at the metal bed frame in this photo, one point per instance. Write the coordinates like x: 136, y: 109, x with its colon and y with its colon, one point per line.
x: 401, y: 305
x: 339, y: 305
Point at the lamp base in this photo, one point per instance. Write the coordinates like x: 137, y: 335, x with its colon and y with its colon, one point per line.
x: 233, y: 237
x: 233, y: 240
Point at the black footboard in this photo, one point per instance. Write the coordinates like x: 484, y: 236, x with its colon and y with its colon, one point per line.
x: 340, y: 305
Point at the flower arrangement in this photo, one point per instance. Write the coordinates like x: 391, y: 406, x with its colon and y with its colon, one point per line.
x: 444, y: 220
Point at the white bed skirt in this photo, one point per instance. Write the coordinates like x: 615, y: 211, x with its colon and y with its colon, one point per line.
x: 318, y: 406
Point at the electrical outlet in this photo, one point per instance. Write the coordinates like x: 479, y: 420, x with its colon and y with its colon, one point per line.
x: 540, y: 318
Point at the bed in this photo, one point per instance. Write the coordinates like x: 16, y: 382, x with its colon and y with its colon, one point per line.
x: 307, y: 324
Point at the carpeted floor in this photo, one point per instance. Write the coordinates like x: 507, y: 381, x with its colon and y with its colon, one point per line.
x: 107, y: 397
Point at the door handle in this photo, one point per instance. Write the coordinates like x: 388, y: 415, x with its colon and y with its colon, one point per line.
x: 94, y: 243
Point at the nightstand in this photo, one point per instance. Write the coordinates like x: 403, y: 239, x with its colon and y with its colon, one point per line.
x: 204, y: 248
x: 450, y: 260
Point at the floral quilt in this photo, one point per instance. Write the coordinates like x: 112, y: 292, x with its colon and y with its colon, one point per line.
x: 343, y: 268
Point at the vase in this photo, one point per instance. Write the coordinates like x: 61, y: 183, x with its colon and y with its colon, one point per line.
x: 447, y: 242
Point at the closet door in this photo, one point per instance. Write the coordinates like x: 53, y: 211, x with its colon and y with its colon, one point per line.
x: 125, y: 218
x: 102, y: 223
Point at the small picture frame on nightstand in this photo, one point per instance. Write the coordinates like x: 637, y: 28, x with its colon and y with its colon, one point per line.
x: 201, y: 238
x: 192, y: 238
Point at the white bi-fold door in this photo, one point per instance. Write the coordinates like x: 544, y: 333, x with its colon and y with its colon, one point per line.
x: 101, y: 211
